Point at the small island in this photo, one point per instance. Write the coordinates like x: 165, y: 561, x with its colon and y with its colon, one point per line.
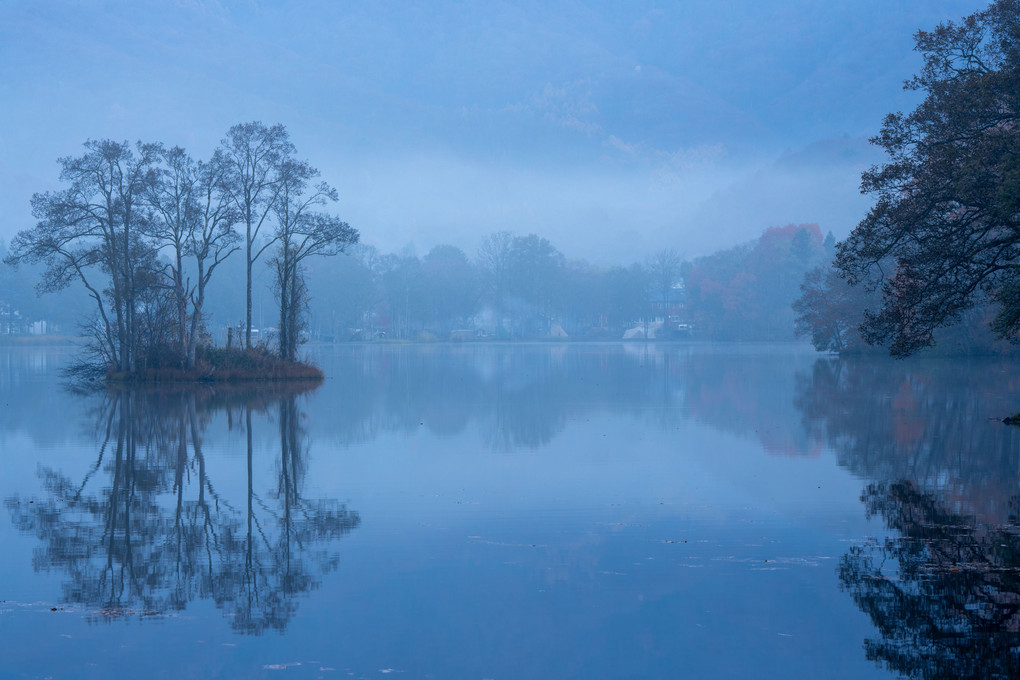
x: 144, y: 227
x: 222, y: 365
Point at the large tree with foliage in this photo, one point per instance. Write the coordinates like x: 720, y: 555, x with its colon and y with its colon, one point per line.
x: 451, y: 289
x: 535, y: 277
x: 948, y: 199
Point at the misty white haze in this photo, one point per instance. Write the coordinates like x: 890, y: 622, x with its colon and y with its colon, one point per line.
x: 612, y: 129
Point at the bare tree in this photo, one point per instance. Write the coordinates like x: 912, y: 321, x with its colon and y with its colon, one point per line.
x: 294, y: 201
x: 252, y: 155
x: 176, y: 215
x: 494, y: 263
x: 193, y: 219
x: 212, y: 241
x: 94, y: 231
x: 305, y: 235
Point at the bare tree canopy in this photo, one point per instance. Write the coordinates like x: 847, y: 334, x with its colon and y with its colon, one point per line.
x: 97, y: 227
x: 494, y: 263
x: 143, y: 229
x: 948, y: 200
x: 253, y: 155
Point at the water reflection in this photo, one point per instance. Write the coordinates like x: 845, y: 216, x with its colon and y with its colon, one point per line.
x: 517, y: 397
x: 514, y: 397
x: 931, y: 422
x: 943, y: 589
x: 156, y: 523
x: 522, y: 397
x: 146, y: 531
x: 943, y: 592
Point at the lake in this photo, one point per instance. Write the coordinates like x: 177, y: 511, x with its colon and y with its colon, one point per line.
x: 517, y: 511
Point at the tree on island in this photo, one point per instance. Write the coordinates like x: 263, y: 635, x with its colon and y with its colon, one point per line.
x: 192, y: 217
x: 94, y: 232
x: 254, y: 155
x: 143, y: 229
x: 944, y: 233
x: 301, y: 233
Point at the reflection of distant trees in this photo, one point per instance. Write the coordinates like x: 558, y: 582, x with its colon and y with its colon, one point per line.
x: 515, y: 396
x: 944, y: 592
x: 24, y: 386
x: 749, y: 394
x: 522, y: 396
x: 928, y: 421
x: 147, y: 532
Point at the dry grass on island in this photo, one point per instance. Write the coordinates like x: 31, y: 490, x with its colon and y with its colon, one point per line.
x: 219, y: 365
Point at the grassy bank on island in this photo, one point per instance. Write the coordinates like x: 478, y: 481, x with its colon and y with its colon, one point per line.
x: 219, y: 365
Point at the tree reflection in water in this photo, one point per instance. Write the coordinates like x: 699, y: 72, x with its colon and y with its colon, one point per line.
x: 944, y: 593
x: 943, y: 590
x: 145, y: 532
x: 932, y: 422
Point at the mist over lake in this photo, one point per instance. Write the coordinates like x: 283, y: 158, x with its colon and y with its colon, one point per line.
x: 515, y: 339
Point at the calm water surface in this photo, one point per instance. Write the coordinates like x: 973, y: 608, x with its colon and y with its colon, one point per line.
x: 517, y: 511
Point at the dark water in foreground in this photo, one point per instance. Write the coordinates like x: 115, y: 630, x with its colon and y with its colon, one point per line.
x: 518, y: 511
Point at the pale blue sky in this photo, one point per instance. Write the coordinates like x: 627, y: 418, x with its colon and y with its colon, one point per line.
x: 613, y: 128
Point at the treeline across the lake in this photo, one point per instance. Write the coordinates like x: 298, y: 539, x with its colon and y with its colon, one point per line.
x: 513, y: 286
x: 181, y: 268
x: 777, y: 287
x: 523, y: 286
x: 143, y: 229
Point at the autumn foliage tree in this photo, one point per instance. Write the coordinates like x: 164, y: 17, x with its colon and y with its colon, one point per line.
x: 947, y: 211
x: 830, y: 310
x: 745, y: 293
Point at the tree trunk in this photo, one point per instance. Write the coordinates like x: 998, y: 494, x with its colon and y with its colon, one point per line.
x: 247, y: 298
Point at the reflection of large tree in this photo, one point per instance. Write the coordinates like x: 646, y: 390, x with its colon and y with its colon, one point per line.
x: 944, y: 589
x: 919, y: 420
x: 146, y: 531
x: 944, y: 592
